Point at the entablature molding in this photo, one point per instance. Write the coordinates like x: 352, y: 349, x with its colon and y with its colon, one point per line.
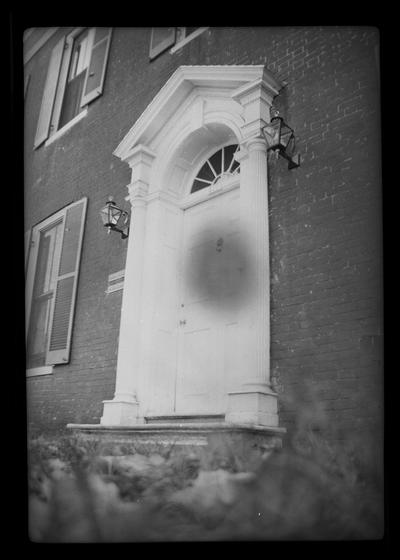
x: 243, y: 83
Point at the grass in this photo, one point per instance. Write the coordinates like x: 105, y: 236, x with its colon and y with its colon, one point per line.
x: 309, y: 490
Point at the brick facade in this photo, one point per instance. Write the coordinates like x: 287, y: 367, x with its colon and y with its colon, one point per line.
x: 325, y: 216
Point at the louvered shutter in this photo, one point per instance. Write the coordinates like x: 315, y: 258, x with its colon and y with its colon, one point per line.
x: 49, y: 93
x: 59, y: 340
x: 97, y: 66
x: 161, y: 39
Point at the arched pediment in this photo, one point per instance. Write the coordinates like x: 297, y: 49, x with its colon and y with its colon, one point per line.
x: 189, y: 91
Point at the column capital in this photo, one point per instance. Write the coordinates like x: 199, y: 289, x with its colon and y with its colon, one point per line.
x: 140, y: 160
x: 254, y: 143
x: 257, y: 143
x: 259, y: 90
x: 137, y: 193
x: 140, y: 155
x: 256, y: 99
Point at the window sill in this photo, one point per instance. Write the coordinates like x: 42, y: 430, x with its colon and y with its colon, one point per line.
x: 66, y: 127
x: 187, y: 39
x: 44, y: 370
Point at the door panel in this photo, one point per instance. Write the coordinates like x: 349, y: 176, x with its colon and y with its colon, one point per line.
x: 208, y: 323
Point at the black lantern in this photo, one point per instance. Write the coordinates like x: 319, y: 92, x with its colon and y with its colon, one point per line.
x: 280, y: 136
x: 115, y: 218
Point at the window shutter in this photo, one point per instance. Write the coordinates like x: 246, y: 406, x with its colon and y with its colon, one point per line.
x: 97, y: 66
x: 49, y: 93
x: 59, y: 341
x: 161, y: 39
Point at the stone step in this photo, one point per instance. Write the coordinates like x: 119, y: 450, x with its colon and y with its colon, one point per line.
x: 184, y: 419
x: 214, y: 444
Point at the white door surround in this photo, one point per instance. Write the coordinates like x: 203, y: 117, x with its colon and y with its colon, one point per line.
x: 199, y: 110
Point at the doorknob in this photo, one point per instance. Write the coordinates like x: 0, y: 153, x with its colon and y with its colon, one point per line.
x: 182, y: 322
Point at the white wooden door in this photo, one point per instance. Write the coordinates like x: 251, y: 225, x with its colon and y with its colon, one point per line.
x: 208, y: 326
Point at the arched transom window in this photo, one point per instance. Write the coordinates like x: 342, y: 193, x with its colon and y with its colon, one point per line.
x: 220, y: 164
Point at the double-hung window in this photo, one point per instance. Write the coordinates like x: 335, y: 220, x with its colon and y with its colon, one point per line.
x: 51, y: 283
x: 75, y: 78
x: 164, y: 37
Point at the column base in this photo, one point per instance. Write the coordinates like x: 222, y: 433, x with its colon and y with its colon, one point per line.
x: 253, y: 407
x: 121, y: 413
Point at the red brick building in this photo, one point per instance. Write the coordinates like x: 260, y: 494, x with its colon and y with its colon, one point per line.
x: 102, y: 108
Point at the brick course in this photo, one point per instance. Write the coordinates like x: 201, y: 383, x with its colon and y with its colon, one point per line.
x: 325, y: 216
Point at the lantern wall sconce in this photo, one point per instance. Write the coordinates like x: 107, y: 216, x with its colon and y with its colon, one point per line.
x: 280, y: 138
x: 114, y: 218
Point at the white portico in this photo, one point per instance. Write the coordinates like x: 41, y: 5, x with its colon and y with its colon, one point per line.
x: 194, y: 333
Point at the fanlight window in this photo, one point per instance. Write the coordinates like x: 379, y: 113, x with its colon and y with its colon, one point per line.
x: 219, y: 165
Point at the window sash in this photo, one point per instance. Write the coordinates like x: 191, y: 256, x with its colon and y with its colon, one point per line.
x: 38, y: 334
x: 91, y: 62
x: 93, y: 67
x: 80, y: 54
x: 45, y: 274
x: 63, y: 78
x: 71, y: 104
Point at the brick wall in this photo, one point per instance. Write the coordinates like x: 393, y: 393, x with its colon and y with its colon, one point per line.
x: 325, y: 217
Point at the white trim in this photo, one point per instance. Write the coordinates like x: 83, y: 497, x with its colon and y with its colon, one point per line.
x: 176, y: 90
x: 39, y: 44
x: 163, y: 196
x: 52, y: 219
x: 200, y: 109
x: 187, y: 39
x: 44, y: 370
x: 66, y: 127
x: 207, y: 193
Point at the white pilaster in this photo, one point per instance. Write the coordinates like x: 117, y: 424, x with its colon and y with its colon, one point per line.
x: 123, y: 409
x: 160, y: 305
x: 253, y: 400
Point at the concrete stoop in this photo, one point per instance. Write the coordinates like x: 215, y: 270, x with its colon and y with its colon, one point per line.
x: 214, y: 444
